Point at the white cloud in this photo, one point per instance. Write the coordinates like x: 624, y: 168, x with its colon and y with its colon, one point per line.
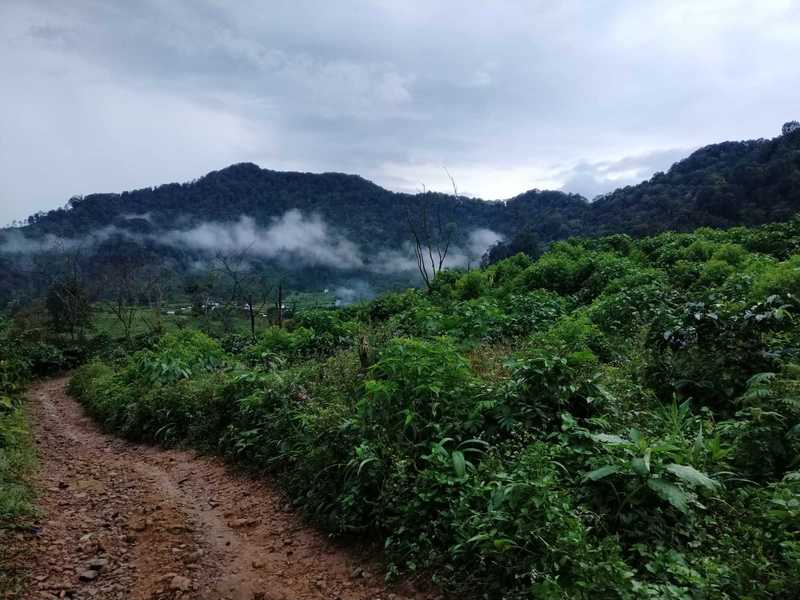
x: 293, y: 237
x: 404, y: 260
x: 291, y: 240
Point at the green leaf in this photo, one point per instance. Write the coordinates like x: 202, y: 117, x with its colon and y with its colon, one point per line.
x: 504, y: 544
x: 602, y: 472
x: 670, y: 492
x: 6, y: 403
x: 364, y: 463
x: 635, y: 435
x: 692, y: 476
x: 641, y: 465
x: 607, y: 438
x: 459, y: 463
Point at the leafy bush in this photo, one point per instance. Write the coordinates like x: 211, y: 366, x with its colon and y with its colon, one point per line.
x: 277, y: 344
x: 331, y: 331
x: 781, y: 279
x: 708, y: 353
x: 176, y: 356
x: 16, y: 444
x: 418, y: 391
x: 532, y: 312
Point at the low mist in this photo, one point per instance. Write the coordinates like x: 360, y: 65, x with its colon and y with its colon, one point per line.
x: 293, y: 239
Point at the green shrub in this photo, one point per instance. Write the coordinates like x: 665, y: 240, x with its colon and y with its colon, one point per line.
x: 708, y: 353
x: 17, y: 456
x: 471, y: 285
x: 516, y: 522
x: 176, y: 356
x: 532, y: 312
x: 331, y: 331
x: 417, y: 391
x: 780, y: 279
x: 278, y: 344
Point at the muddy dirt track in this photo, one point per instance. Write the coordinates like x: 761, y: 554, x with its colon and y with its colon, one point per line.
x: 127, y: 521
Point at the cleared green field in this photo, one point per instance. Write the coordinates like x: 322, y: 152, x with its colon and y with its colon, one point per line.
x: 179, y: 315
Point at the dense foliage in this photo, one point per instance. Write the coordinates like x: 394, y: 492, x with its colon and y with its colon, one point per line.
x: 721, y: 185
x: 16, y: 453
x: 15, y: 370
x: 617, y: 419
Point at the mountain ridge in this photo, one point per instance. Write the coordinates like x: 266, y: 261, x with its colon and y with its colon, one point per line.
x: 720, y: 185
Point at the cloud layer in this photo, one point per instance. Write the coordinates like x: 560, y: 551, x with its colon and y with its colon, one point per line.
x: 294, y: 239
x: 107, y: 96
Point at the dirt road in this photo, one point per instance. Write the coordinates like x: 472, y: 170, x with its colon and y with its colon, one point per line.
x: 127, y: 521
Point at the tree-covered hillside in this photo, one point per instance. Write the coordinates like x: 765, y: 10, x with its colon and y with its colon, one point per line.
x: 364, y: 211
x: 722, y: 185
x: 733, y: 183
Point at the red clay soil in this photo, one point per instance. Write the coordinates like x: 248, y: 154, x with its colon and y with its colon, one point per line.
x: 127, y: 521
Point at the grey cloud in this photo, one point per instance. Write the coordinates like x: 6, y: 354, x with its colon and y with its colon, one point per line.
x: 148, y: 216
x: 594, y: 179
x: 13, y: 241
x: 107, y: 96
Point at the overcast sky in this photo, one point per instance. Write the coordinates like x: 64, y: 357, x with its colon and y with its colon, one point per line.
x: 579, y: 95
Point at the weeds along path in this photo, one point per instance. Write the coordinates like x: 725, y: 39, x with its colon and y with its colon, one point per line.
x: 126, y: 521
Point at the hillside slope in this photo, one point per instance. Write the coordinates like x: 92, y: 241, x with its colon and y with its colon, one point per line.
x: 362, y: 228
x: 347, y: 202
x: 732, y: 183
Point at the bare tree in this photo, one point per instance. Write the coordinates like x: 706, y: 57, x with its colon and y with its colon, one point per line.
x: 279, y: 306
x: 68, y: 299
x: 153, y: 280
x: 126, y: 284
x: 431, y: 236
x: 245, y: 285
x: 61, y: 272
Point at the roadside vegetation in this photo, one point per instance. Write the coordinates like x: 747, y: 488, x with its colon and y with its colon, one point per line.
x: 618, y: 418
x: 16, y: 457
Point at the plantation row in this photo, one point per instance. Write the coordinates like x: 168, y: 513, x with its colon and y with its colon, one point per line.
x: 619, y: 418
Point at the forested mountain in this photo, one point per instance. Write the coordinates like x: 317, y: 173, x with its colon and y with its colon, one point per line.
x: 732, y: 183
x: 721, y: 185
x: 331, y: 226
x: 367, y: 212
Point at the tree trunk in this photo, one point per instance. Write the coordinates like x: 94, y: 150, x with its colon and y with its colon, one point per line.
x: 280, y: 306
